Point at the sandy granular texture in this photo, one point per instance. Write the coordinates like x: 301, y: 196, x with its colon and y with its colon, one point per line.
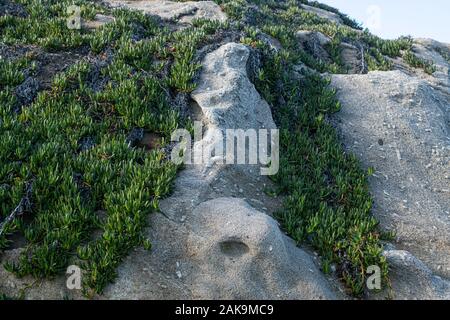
x: 398, y: 123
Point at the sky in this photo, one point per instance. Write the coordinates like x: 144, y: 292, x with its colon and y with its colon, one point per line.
x: 390, y: 19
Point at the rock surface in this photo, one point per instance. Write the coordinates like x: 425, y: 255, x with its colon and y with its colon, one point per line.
x: 226, y: 249
x: 241, y: 254
x: 411, y: 279
x: 439, y: 54
x: 315, y: 44
x: 398, y: 124
x: 352, y: 59
x: 98, y: 21
x: 225, y: 94
x: 212, y: 238
x: 323, y: 13
x: 8, y: 7
x: 183, y: 12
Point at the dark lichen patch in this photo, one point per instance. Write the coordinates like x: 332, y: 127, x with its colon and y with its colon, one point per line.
x: 151, y: 141
x: 11, y: 8
x: 49, y: 64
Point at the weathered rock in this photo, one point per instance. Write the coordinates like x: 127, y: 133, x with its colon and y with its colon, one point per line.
x: 226, y: 96
x: 439, y: 54
x: 99, y: 21
x: 413, y: 280
x: 241, y: 254
x: 207, y: 242
x: 32, y: 289
x: 212, y: 239
x: 27, y: 91
x: 333, y: 17
x: 399, y: 124
x: 224, y: 248
x: 228, y: 100
x: 183, y: 12
x: 433, y: 44
x: 352, y: 58
x: 198, y: 253
x: 315, y: 44
x: 318, y: 37
x: 272, y: 42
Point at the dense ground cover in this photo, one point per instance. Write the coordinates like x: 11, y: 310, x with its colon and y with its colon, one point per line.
x: 69, y: 164
x: 77, y: 185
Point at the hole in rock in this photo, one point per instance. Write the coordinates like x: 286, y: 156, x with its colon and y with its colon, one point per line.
x: 234, y: 248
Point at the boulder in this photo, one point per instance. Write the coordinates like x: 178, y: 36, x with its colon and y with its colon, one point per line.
x: 314, y: 43
x: 352, y: 58
x: 183, y: 12
x: 225, y: 94
x: 322, y: 13
x: 240, y: 253
x: 212, y: 239
x: 413, y: 280
x: 399, y: 124
x: 99, y: 21
x: 439, y: 54
x: 228, y: 100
